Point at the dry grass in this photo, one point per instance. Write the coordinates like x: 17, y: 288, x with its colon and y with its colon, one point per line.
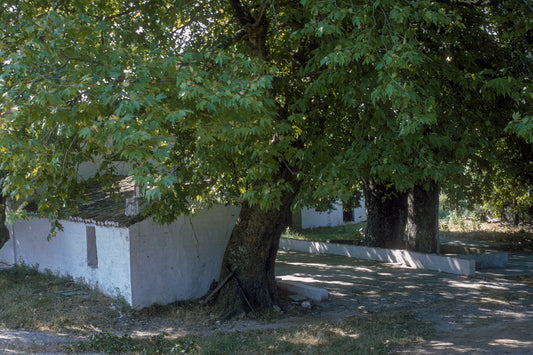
x: 509, y: 238
x: 379, y: 333
x: 350, y: 233
x: 34, y: 300
x: 37, y: 301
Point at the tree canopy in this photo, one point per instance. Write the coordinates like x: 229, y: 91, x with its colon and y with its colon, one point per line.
x: 266, y: 103
x: 398, y: 92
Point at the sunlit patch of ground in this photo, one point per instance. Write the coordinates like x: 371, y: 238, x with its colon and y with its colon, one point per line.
x: 503, y: 236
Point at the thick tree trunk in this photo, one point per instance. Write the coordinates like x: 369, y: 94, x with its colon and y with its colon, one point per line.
x: 251, y: 252
x: 4, y: 232
x: 516, y: 217
x: 423, y: 219
x: 386, y: 210
x: 503, y: 218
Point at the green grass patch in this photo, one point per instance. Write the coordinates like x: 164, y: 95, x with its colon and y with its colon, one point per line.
x: 378, y: 333
x: 350, y: 233
x: 125, y: 344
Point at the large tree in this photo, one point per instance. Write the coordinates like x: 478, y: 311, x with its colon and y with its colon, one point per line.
x: 268, y: 104
x: 205, y: 100
x: 430, y: 85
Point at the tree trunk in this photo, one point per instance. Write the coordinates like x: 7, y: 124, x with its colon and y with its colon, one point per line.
x: 254, y: 242
x: 386, y: 210
x: 503, y: 218
x: 516, y: 217
x: 251, y: 252
x: 4, y: 232
x: 423, y: 219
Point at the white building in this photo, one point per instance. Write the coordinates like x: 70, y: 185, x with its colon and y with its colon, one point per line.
x: 336, y: 216
x: 142, y: 261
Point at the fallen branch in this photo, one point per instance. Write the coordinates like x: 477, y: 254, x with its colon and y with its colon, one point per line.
x: 219, y: 286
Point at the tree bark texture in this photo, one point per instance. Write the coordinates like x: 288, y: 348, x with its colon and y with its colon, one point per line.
x: 255, y: 27
x: 386, y: 210
x: 423, y: 219
x: 4, y: 232
x: 516, y: 217
x: 251, y: 252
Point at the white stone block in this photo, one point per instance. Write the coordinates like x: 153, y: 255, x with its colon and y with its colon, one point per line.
x: 449, y: 264
x: 313, y: 293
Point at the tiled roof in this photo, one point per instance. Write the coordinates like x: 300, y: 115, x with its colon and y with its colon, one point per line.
x: 107, y: 208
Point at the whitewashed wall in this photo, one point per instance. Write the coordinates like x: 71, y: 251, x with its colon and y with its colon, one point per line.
x: 312, y: 218
x: 66, y: 253
x: 179, y: 261
x: 89, y: 169
x: 6, y: 253
x: 146, y: 264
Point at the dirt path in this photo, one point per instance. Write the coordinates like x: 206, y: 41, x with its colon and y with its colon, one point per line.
x: 31, y: 341
x: 489, y: 313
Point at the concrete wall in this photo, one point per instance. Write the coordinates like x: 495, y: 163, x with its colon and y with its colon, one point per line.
x: 411, y: 259
x: 66, y: 253
x: 311, y: 218
x: 179, y: 261
x: 146, y: 264
x: 6, y: 253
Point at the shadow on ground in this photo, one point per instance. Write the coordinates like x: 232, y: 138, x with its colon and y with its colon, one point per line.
x: 489, y: 313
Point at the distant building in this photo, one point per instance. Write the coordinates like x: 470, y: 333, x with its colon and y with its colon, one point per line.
x: 336, y: 216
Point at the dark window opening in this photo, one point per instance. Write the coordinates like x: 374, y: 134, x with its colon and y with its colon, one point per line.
x: 347, y: 215
x: 92, y: 253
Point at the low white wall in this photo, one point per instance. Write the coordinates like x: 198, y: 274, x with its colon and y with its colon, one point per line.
x: 66, y: 253
x: 179, y: 261
x: 416, y: 260
x: 312, y: 218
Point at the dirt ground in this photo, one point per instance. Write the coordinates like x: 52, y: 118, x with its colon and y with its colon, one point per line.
x: 490, y: 313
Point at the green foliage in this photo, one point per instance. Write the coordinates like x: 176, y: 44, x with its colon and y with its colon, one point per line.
x: 461, y: 221
x: 420, y: 80
x: 121, y: 304
x: 522, y: 126
x: 399, y: 92
x: 22, y: 271
x: 498, y: 182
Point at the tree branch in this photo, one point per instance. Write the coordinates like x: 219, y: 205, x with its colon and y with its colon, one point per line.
x: 483, y: 3
x: 229, y: 40
x: 260, y: 14
x: 241, y: 13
